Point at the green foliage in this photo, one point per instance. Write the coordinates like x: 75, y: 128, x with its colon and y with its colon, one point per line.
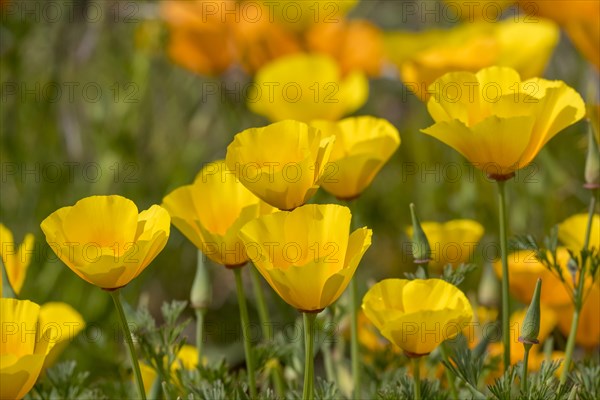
x: 402, y: 388
x: 64, y: 382
x: 586, y: 378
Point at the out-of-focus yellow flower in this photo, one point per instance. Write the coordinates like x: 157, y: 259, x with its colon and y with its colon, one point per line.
x: 452, y: 242
x: 422, y: 57
x: 355, y: 44
x: 498, y: 122
x: 66, y: 323
x: 362, y: 146
x: 524, y: 269
x: 417, y: 315
x: 306, y: 87
x: 580, y: 19
x: 105, y: 241
x: 187, y: 357
x: 16, y: 260
x: 308, y: 255
x: 484, y: 322
x: 211, y: 211
x: 588, y: 333
x: 571, y: 232
x: 300, y: 15
x: 281, y: 163
x: 23, y: 347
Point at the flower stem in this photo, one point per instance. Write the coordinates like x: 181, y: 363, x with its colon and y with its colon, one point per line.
x: 309, y: 362
x: 417, y: 377
x: 449, y: 374
x: 578, y: 298
x: 245, y: 320
x: 265, y: 323
x: 115, y: 294
x: 524, y: 372
x: 354, y: 345
x: 200, y: 312
x: 505, y: 286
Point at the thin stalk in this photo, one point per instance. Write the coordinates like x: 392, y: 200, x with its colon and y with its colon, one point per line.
x: 417, y: 377
x: 578, y: 300
x: 200, y: 312
x: 309, y: 362
x: 245, y: 320
x: 115, y: 294
x: 354, y: 345
x: 265, y: 323
x: 505, y: 286
x: 524, y: 373
x: 449, y: 374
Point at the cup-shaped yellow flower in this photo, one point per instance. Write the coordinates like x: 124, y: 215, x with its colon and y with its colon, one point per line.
x: 524, y: 269
x: 571, y: 232
x: 305, y: 87
x: 105, y: 241
x: 211, y: 211
x: 281, y: 163
x: 417, y: 315
x: 452, y: 242
x: 308, y: 255
x: 588, y: 331
x: 362, y: 146
x: 498, y: 122
x: 16, y: 259
x: 65, y: 322
x: 23, y: 347
x: 422, y: 57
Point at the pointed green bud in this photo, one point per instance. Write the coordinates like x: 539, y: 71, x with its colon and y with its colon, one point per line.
x: 201, y: 294
x: 592, y: 163
x: 421, y: 249
x: 531, y: 324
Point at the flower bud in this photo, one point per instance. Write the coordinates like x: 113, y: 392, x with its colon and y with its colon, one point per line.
x: 201, y: 294
x: 531, y: 324
x: 592, y: 163
x: 421, y: 249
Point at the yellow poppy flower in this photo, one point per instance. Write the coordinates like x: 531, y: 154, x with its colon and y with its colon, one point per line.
x: 524, y: 269
x: 66, y: 323
x: 571, y: 232
x: 105, y: 241
x: 423, y: 57
x: 498, y: 122
x: 308, y: 255
x: 187, y: 357
x: 362, y: 146
x: 417, y: 315
x: 588, y: 333
x: 355, y: 44
x: 23, y: 348
x: 16, y: 260
x: 452, y: 242
x: 211, y: 211
x: 306, y: 87
x: 280, y: 163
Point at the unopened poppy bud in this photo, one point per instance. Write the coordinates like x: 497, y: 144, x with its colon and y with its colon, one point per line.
x: 421, y: 249
x: 531, y: 324
x: 201, y: 294
x: 592, y: 163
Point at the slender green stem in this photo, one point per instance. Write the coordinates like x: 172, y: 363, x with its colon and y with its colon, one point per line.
x: 265, y: 323
x: 309, y: 362
x: 417, y: 376
x: 200, y: 312
x: 505, y: 286
x: 245, y: 327
x: 115, y: 294
x: 449, y: 374
x: 354, y: 345
x: 328, y: 361
x: 525, y: 368
x: 578, y: 298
